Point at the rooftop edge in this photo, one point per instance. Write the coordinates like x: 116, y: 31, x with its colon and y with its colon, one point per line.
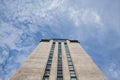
x: 57, y: 39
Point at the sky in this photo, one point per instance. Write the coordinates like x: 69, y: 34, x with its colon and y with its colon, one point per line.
x: 95, y: 23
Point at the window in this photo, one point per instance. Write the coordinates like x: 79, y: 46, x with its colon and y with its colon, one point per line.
x: 48, y: 67
x: 59, y: 68
x: 50, y: 58
x: 60, y: 63
x: 71, y: 68
x: 49, y: 61
x: 69, y: 63
x: 60, y: 72
x: 51, y: 51
x: 59, y: 78
x: 73, y: 78
x: 46, y: 78
x: 68, y: 55
x: 72, y: 74
x: 69, y: 59
x: 47, y: 73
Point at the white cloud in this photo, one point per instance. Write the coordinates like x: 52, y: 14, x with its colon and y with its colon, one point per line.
x: 84, y: 16
x: 8, y: 35
x: 114, y: 70
x: 27, y: 17
x: 55, y: 4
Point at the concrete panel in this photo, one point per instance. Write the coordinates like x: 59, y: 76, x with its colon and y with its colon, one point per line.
x: 84, y: 67
x: 53, y: 72
x: 66, y: 73
x: 33, y: 68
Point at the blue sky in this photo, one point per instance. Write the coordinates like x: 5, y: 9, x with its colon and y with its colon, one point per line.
x: 95, y: 23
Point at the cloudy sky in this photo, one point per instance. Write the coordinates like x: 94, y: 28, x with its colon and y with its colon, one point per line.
x: 95, y: 23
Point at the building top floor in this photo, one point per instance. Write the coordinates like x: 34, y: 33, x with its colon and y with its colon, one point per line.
x: 59, y: 40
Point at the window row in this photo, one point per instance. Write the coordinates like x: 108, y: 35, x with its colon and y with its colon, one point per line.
x: 70, y: 64
x: 59, y: 64
x: 49, y: 62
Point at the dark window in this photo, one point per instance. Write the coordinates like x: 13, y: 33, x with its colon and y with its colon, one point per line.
x: 71, y: 68
x: 72, y: 74
x: 69, y: 63
x: 60, y: 72
x: 69, y: 59
x: 49, y: 61
x: 59, y: 78
x: 47, y: 73
x: 73, y: 78
x: 59, y: 68
x: 46, y: 78
x: 48, y: 67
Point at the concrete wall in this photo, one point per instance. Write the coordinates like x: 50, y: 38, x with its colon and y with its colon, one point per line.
x: 85, y: 68
x: 34, y: 66
x: 53, y: 72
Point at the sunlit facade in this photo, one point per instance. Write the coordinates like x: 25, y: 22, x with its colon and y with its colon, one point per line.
x: 58, y: 59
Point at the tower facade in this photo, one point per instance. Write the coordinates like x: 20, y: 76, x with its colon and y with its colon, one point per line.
x: 58, y: 59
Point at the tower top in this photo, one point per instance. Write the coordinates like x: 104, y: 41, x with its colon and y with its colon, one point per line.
x: 58, y: 40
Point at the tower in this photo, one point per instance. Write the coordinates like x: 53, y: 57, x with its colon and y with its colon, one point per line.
x: 58, y: 59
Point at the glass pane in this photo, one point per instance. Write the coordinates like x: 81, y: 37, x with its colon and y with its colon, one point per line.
x: 46, y: 78
x: 69, y: 63
x: 47, y: 73
x: 73, y: 78
x: 72, y: 74
x: 72, y: 71
x: 60, y: 78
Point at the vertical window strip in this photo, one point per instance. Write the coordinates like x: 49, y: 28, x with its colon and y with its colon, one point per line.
x: 59, y: 64
x: 70, y: 64
x: 49, y: 62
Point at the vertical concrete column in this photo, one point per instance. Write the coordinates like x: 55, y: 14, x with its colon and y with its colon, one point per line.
x: 53, y: 72
x: 85, y: 68
x: 33, y: 68
x: 66, y: 73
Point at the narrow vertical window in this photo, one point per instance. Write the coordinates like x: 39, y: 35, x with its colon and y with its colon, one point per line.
x: 59, y: 64
x: 49, y: 62
x: 70, y: 64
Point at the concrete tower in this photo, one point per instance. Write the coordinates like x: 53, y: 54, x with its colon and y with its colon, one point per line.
x: 58, y: 59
